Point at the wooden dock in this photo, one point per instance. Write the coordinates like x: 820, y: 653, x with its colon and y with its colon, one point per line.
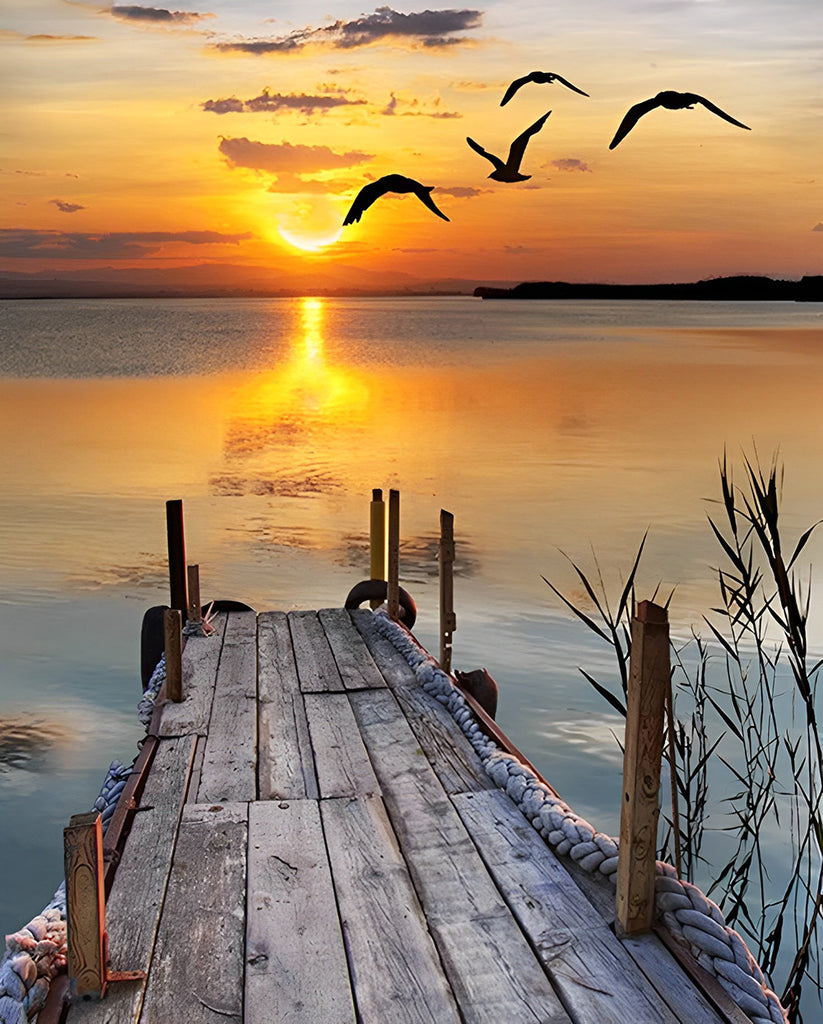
x: 317, y: 842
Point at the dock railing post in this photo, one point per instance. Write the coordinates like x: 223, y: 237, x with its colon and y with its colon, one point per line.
x: 193, y: 576
x: 393, y: 575
x: 448, y: 620
x: 85, y: 906
x: 649, y: 676
x: 377, y: 537
x: 177, y: 555
x: 173, y: 633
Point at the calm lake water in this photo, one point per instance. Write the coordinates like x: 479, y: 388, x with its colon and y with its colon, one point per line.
x: 545, y: 428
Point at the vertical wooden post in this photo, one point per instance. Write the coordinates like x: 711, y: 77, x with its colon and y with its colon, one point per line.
x: 177, y: 555
x: 377, y: 538
x: 393, y: 576
x: 85, y: 905
x: 648, y: 684
x: 193, y: 576
x: 173, y: 628
x: 448, y: 620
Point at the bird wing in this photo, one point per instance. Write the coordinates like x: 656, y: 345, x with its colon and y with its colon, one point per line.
x: 720, y: 113
x: 423, y: 194
x: 569, y: 85
x: 363, y: 200
x: 633, y: 115
x: 518, y: 147
x: 498, y: 163
x: 512, y: 89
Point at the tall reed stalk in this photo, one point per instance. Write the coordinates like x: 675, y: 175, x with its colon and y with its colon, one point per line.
x: 745, y: 700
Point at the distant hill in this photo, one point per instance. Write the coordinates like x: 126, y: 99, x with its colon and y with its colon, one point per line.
x: 718, y: 289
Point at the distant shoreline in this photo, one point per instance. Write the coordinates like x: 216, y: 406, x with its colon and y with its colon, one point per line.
x: 719, y: 289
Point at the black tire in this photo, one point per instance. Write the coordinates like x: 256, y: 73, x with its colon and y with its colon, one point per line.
x: 152, y: 642
x: 377, y: 590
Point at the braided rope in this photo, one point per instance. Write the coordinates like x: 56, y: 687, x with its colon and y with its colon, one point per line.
x: 682, y: 906
x: 36, y: 953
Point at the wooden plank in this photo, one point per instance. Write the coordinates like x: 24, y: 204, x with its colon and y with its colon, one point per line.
x: 343, y: 766
x: 396, y: 973
x: 316, y: 668
x: 137, y: 894
x: 356, y: 665
x: 229, y: 771
x: 295, y: 958
x: 85, y: 906
x: 595, y: 976
x: 285, y: 767
x: 201, y: 656
x: 451, y: 755
x: 489, y: 963
x: 197, y: 971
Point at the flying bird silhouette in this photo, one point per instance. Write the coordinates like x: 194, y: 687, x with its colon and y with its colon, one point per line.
x: 510, y: 170
x: 370, y: 193
x: 540, y: 78
x: 671, y: 101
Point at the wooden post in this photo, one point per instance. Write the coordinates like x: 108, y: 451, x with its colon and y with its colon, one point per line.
x: 173, y: 628
x: 85, y: 906
x: 448, y: 620
x: 377, y: 538
x: 648, y: 684
x: 193, y: 576
x: 393, y: 577
x: 177, y: 555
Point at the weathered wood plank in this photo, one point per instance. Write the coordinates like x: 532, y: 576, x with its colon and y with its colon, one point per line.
x: 295, y: 959
x: 594, y: 974
x: 343, y: 766
x: 492, y: 970
x: 396, y: 972
x: 285, y: 767
x: 354, y: 660
x: 136, y: 898
x: 229, y: 771
x: 201, y: 657
x: 451, y: 755
x: 197, y: 971
x: 316, y: 668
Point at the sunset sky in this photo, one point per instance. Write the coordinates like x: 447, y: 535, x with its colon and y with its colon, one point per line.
x: 236, y: 131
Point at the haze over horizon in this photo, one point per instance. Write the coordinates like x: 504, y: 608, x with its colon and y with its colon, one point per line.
x: 213, y: 133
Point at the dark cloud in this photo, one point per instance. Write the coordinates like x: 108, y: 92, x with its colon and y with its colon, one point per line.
x: 157, y: 15
x: 818, y: 227
x: 268, y: 102
x: 24, y: 243
x: 570, y: 163
x: 43, y: 37
x: 398, y: 107
x: 461, y: 191
x: 286, y: 158
x: 65, y: 207
x: 429, y: 29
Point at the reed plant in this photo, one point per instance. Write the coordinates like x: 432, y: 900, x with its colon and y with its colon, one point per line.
x: 744, y: 724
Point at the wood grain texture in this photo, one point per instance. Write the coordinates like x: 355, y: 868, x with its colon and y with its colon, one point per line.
x: 357, y: 668
x: 285, y: 767
x: 197, y: 971
x: 295, y: 958
x: 343, y: 766
x: 591, y: 970
x: 136, y: 898
x: 316, y: 668
x: 492, y: 970
x: 229, y: 770
x: 201, y: 657
x: 394, y: 965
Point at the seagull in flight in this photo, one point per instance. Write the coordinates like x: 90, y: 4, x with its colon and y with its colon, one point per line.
x: 370, y: 193
x: 671, y: 101
x: 540, y: 78
x: 510, y: 170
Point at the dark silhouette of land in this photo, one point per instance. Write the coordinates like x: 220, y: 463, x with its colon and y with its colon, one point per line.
x: 718, y: 289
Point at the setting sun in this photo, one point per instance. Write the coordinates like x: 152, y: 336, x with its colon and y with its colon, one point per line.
x: 309, y: 242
